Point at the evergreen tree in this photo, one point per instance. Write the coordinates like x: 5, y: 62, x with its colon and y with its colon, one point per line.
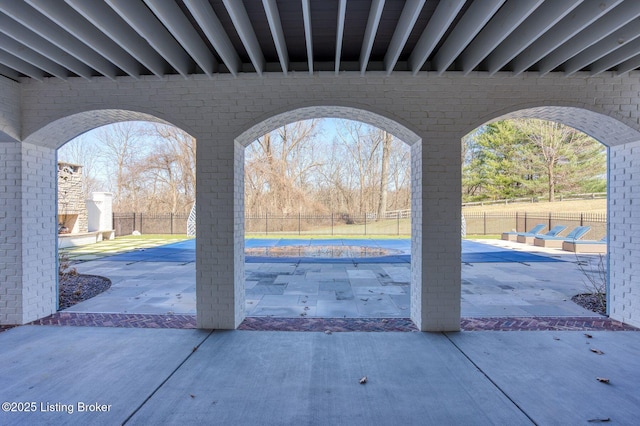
x: 527, y: 157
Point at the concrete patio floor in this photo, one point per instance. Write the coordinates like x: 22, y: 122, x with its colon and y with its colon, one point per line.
x: 152, y: 376
x: 166, y: 285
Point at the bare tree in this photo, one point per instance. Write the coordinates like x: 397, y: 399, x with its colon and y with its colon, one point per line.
x: 286, y: 160
x: 384, y: 173
x: 121, y: 142
x: 86, y: 153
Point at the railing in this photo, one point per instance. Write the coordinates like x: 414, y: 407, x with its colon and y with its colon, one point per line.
x: 393, y: 223
x: 482, y: 223
x: 150, y: 223
x: 561, y: 197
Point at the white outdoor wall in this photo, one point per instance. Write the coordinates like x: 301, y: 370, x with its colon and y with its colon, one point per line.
x: 100, y: 211
x: 28, y: 230
x: 438, y: 109
x: 624, y: 228
x: 11, y: 233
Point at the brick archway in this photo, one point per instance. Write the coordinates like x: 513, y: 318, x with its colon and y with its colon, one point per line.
x: 623, y: 145
x: 271, y: 123
x: 33, y: 217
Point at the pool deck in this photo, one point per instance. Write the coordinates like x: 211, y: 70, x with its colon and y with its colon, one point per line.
x: 499, y: 278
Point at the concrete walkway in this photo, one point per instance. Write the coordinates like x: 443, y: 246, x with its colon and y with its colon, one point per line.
x: 147, y: 376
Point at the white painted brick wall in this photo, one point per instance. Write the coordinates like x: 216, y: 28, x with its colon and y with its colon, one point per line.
x: 28, y: 271
x: 10, y: 233
x: 39, y: 231
x: 624, y: 233
x: 224, y: 109
x: 416, y: 234
x: 441, y: 248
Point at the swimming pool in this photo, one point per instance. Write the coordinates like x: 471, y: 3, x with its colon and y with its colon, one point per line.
x: 322, y: 251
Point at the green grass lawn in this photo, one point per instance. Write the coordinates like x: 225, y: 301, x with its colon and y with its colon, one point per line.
x: 119, y: 245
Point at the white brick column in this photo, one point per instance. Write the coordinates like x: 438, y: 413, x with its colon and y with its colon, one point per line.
x: 28, y: 232
x: 624, y: 233
x: 436, y: 233
x: 219, y: 261
x: 10, y: 233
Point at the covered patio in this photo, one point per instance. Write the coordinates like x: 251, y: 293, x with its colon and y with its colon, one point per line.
x: 229, y: 71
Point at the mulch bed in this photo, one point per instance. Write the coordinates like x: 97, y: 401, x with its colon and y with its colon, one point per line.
x: 75, y: 288
x: 593, y: 302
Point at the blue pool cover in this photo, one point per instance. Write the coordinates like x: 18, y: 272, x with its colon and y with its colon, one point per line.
x: 472, y: 252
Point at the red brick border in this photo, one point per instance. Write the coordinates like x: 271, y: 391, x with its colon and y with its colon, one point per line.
x: 334, y: 324
x: 118, y: 320
x: 544, y: 324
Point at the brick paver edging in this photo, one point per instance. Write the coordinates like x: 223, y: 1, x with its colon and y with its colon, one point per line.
x: 327, y: 324
x: 118, y: 320
x: 544, y: 324
x: 334, y: 324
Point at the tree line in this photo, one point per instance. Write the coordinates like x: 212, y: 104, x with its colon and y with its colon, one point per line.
x: 148, y: 167
x: 310, y: 167
x: 530, y: 158
x: 321, y: 167
x: 326, y: 166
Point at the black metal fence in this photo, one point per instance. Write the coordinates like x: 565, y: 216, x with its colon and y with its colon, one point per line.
x: 394, y: 223
x: 477, y: 223
x: 150, y: 223
x: 481, y: 223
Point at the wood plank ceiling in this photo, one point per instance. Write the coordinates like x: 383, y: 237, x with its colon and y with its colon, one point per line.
x: 64, y: 39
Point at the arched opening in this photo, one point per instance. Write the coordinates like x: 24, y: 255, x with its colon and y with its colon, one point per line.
x: 327, y: 222
x: 125, y: 191
x: 579, y: 273
x: 277, y: 121
x: 41, y: 242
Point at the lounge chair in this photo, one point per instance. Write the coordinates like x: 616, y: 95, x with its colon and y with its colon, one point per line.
x: 556, y: 242
x: 586, y: 246
x: 513, y: 236
x: 553, y: 232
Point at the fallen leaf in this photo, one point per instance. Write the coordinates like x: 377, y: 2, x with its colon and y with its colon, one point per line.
x: 363, y: 380
x: 556, y: 338
x: 327, y: 332
x: 588, y: 336
x: 602, y: 379
x: 603, y: 420
x: 596, y: 351
x: 192, y: 395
